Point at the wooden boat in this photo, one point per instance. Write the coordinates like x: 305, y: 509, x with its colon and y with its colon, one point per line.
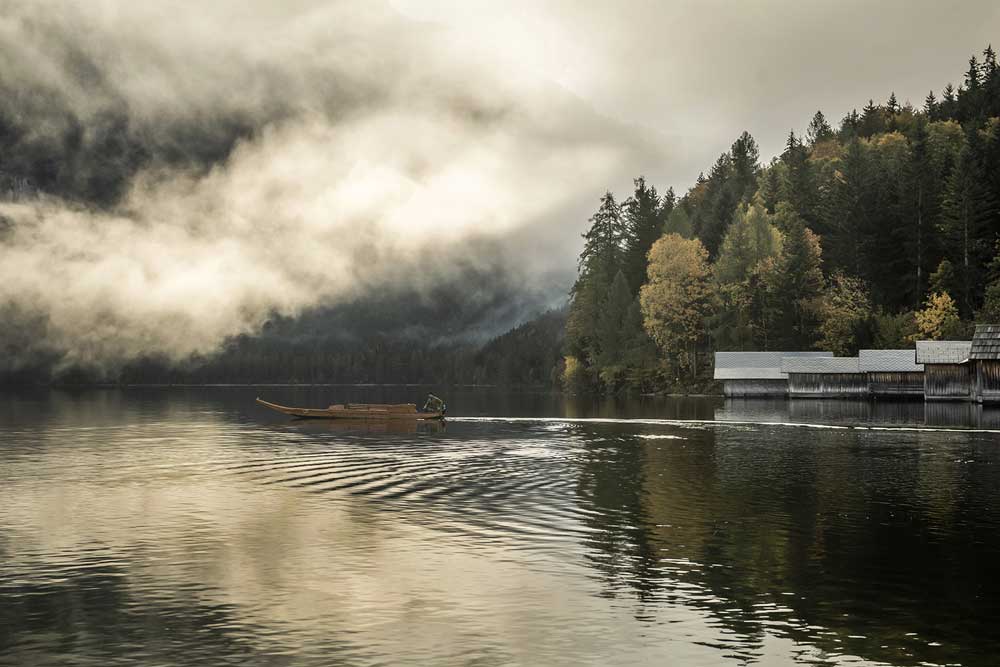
x: 357, y: 411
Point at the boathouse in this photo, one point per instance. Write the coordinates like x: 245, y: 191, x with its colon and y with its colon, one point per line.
x: 891, y: 373
x: 985, y: 358
x: 824, y: 377
x: 748, y: 374
x: 947, y: 371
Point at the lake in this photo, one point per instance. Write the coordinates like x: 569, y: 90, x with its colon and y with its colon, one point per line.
x: 190, y: 526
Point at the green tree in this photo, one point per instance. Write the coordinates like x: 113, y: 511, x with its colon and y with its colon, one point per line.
x: 819, y: 130
x: 678, y: 223
x: 599, y: 262
x: 969, y: 211
x: 741, y: 321
x: 610, y: 330
x: 642, y: 226
x: 943, y: 278
x: 795, y: 284
x: 845, y: 311
x: 750, y: 239
x: 798, y: 188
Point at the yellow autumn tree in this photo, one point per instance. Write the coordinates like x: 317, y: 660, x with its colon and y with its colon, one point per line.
x: 677, y: 297
x: 938, y: 320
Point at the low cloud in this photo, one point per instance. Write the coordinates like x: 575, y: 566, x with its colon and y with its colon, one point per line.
x: 195, y: 172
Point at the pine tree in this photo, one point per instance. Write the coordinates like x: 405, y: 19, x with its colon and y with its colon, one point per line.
x: 819, y: 130
x: 871, y: 120
x: 969, y: 211
x: 930, y: 106
x: 642, y: 224
x: 599, y: 261
x: 678, y: 223
x: 989, y: 66
x: 850, y: 126
x: 948, y: 108
x: 798, y: 187
x: 795, y: 285
x: 892, y: 106
x: 746, y: 165
x: 713, y: 215
x: 972, y: 76
x: 610, y: 330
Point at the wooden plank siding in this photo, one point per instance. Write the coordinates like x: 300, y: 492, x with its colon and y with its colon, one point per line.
x: 947, y: 382
x: 896, y: 383
x: 738, y: 388
x: 987, y: 385
x: 827, y: 385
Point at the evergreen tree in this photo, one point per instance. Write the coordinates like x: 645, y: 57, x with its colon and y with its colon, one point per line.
x: 642, y: 225
x: 871, y: 120
x: 969, y: 213
x: 819, y: 130
x: 610, y: 331
x: 795, y: 285
x: 930, y: 106
x: 678, y: 223
x: 712, y: 216
x: 750, y: 239
x: 599, y: 261
x: 948, y: 108
x: 850, y: 126
x: 746, y: 166
x: 892, y: 106
x: 798, y: 188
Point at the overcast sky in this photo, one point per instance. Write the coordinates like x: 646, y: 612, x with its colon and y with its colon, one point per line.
x: 700, y: 72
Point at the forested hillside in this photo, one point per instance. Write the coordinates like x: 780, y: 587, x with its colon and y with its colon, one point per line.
x: 873, y: 233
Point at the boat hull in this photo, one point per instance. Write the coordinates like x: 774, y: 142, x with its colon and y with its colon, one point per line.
x: 352, y: 411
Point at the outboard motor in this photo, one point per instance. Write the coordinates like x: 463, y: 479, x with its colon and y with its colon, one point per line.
x: 435, y: 404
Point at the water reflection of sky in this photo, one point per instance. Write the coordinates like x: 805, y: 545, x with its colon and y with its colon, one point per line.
x: 179, y: 531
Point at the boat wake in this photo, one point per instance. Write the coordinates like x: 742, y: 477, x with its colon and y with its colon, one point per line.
x: 642, y: 421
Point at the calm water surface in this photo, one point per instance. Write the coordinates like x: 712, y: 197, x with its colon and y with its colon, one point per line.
x: 183, y: 527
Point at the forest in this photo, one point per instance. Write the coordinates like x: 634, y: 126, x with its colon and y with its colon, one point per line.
x: 871, y: 234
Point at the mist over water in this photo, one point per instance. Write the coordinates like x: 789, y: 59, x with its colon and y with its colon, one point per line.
x: 180, y: 526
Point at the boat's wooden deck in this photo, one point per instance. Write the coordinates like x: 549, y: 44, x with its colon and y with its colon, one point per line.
x: 355, y: 411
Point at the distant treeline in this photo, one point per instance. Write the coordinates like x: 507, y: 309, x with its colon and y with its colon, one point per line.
x: 340, y: 346
x: 525, y: 356
x: 875, y: 233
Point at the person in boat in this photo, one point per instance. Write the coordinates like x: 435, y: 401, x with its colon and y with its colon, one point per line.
x: 435, y: 404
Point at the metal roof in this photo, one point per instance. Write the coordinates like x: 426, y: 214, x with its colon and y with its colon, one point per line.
x: 943, y: 351
x: 888, y: 361
x: 820, y: 365
x: 756, y: 365
x: 749, y: 373
x: 986, y: 342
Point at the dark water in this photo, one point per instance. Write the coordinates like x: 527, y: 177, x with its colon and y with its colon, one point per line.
x: 185, y: 527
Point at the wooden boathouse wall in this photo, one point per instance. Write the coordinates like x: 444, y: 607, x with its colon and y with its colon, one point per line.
x: 987, y: 387
x: 747, y: 388
x: 947, y: 372
x: 825, y: 377
x: 755, y: 374
x: 985, y: 355
x: 896, y: 383
x: 947, y: 382
x: 827, y: 385
x: 892, y: 373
